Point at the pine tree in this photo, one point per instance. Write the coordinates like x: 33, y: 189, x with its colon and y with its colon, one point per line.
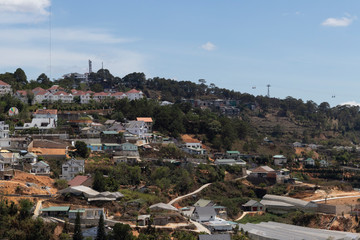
x: 101, y: 235
x: 77, y: 231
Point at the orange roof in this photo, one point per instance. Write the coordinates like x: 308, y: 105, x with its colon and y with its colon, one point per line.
x: 21, y: 92
x: 101, y: 94
x: 188, y: 139
x: 78, y: 180
x: 144, y: 119
x: 61, y: 92
x: 117, y: 94
x: 4, y: 83
x: 49, y: 151
x: 133, y: 91
x: 46, y: 111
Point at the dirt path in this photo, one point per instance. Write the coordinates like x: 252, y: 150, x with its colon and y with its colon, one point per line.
x: 189, y: 194
x: 242, y: 216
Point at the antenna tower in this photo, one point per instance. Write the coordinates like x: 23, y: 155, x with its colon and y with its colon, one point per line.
x: 268, y: 87
x: 90, y: 66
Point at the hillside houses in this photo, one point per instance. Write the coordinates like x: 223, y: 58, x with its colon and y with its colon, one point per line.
x: 4, y: 88
x: 56, y: 93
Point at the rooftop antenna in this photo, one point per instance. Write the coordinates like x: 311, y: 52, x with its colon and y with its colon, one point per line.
x: 90, y: 66
x: 268, y: 87
x: 50, y: 48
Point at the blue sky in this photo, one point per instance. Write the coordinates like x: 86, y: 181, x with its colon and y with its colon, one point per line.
x: 305, y: 49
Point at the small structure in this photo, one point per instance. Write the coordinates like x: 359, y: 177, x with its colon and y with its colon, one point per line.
x: 233, y: 154
x: 309, y: 162
x: 29, y: 158
x: 253, y: 206
x: 192, y: 145
x: 143, y: 220
x: 279, y: 160
x: 263, y: 172
x: 4, y: 88
x: 72, y: 168
x: 288, y: 203
x: 138, y: 128
x: 204, y: 214
x: 282, y: 176
x: 87, y: 213
x: 230, y: 162
x: 40, y: 168
x: 148, y: 121
x: 60, y: 211
x: 324, y: 163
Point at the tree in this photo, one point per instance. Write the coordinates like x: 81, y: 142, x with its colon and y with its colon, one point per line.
x: 44, y: 80
x: 77, y: 231
x: 99, y: 182
x: 121, y: 232
x: 81, y: 149
x: 20, y: 76
x: 101, y: 235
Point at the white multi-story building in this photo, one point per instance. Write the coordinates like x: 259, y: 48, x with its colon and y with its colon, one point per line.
x: 4, y: 88
x: 72, y: 168
x: 138, y: 128
x: 134, y: 94
x: 4, y: 135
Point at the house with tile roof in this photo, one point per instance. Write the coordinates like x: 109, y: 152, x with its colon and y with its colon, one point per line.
x: 134, y: 94
x: 40, y: 168
x: 148, y: 121
x: 81, y: 180
x: 72, y: 168
x: 5, y: 88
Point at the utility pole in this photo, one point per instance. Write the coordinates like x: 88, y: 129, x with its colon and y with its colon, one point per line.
x: 268, y: 92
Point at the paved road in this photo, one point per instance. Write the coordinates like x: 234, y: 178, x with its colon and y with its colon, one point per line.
x: 332, y: 198
x: 189, y: 194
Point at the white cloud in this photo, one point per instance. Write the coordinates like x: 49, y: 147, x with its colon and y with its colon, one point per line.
x: 208, y: 46
x: 339, y: 22
x: 351, y: 103
x: 23, y: 11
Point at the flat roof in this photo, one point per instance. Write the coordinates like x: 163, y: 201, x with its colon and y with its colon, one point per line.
x: 56, y: 209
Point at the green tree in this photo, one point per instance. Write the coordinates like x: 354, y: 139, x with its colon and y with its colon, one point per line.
x: 101, y: 235
x: 121, y: 232
x: 99, y: 182
x: 81, y: 149
x: 44, y: 81
x: 77, y: 231
x: 20, y: 77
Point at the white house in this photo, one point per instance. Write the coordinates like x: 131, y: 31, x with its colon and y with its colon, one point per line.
x: 309, y: 162
x: 134, y: 94
x: 324, y: 163
x: 40, y: 168
x: 138, y: 128
x: 192, y: 145
x: 46, y: 113
x: 279, y: 159
x: 204, y: 214
x: 72, y: 168
x: 4, y: 88
x: 4, y: 135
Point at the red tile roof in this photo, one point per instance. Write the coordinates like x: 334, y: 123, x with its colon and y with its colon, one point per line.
x: 3, y: 83
x: 78, y: 180
x: 101, y: 94
x: 117, y: 94
x: 46, y: 111
x: 21, y: 92
x: 133, y: 91
x: 144, y: 119
x: 61, y: 93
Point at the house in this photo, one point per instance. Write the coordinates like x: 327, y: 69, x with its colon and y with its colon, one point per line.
x: 95, y: 147
x: 72, y: 168
x: 220, y: 211
x: 204, y: 214
x: 110, y: 137
x: 279, y: 159
x: 275, y: 202
x: 232, y: 154
x: 137, y: 127
x: 5, y: 88
x: 40, y: 168
x: 143, y: 220
x: 148, y: 121
x: 263, y: 172
x: 46, y: 113
x: 215, y: 237
x: 134, y: 94
x: 253, y: 206
x: 192, y: 145
x: 118, y: 95
x: 128, y: 149
x: 5, y: 141
x: 87, y: 213
x: 81, y: 180
x: 90, y: 132
x: 29, y: 158
x: 9, y: 158
x: 323, y: 163
x: 48, y: 149
x: 309, y: 162
x: 282, y: 176
x: 59, y: 211
x: 126, y: 159
x: 297, y: 144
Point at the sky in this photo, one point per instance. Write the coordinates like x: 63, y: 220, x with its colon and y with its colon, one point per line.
x: 305, y: 49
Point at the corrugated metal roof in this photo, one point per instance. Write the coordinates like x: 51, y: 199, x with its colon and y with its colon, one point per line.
x: 56, y: 209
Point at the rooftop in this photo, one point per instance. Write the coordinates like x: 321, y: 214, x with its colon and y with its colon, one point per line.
x: 56, y: 209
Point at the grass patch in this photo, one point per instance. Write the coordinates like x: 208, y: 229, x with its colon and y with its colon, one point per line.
x: 149, y: 198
